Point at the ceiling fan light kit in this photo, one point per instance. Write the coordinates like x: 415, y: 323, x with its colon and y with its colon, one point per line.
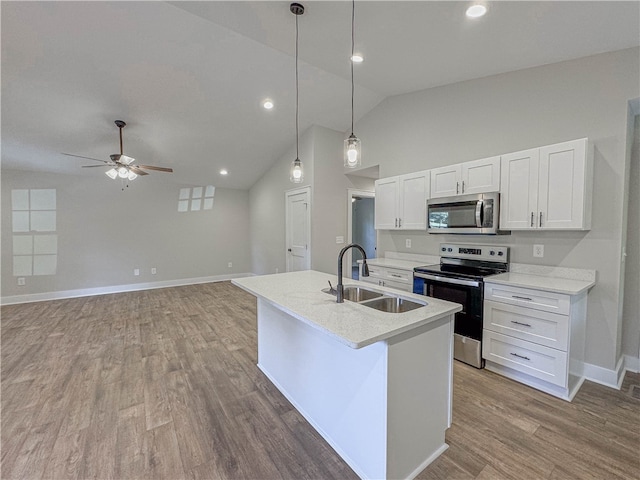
x: 122, y: 165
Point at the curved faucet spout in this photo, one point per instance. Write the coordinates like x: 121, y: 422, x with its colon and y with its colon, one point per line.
x: 365, y: 269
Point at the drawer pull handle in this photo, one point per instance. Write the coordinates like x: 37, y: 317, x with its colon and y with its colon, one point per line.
x: 396, y: 275
x: 521, y: 356
x: 520, y: 323
x: 522, y: 298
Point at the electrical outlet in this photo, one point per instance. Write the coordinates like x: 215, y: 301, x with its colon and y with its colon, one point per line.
x: 538, y: 251
x: 153, y: 270
x: 407, y: 243
x: 21, y: 281
x: 136, y: 271
x: 340, y: 239
x: 230, y: 264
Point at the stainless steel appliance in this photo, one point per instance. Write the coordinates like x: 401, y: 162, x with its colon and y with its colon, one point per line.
x: 467, y: 214
x: 460, y: 278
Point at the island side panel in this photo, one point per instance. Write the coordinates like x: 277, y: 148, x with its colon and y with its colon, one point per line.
x: 420, y: 367
x: 341, y: 391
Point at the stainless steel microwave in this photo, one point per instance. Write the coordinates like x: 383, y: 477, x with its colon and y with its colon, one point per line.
x: 466, y: 214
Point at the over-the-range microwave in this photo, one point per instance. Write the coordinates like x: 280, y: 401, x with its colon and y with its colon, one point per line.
x: 466, y: 214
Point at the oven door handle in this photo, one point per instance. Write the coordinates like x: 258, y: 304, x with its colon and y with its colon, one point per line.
x: 455, y: 281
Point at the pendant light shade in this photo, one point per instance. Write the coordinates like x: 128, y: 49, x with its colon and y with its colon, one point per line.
x: 352, y: 145
x: 296, y: 174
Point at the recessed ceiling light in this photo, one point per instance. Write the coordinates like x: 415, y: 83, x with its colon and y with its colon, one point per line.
x: 475, y: 11
x: 357, y: 58
x: 268, y: 104
x: 223, y: 171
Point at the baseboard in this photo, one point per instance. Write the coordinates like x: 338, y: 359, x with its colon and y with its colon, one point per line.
x: 632, y: 364
x: 604, y: 376
x: 86, y: 292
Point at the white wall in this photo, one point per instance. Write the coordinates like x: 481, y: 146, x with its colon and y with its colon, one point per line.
x: 511, y: 112
x: 104, y: 233
x: 631, y: 312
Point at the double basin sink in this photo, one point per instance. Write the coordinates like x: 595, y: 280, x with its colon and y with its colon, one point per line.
x: 383, y: 302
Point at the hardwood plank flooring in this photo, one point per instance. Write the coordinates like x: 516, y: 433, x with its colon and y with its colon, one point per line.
x: 163, y: 384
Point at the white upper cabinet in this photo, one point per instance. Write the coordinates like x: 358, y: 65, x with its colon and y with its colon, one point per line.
x: 481, y: 176
x: 477, y: 176
x: 547, y: 188
x: 401, y: 202
x: 445, y: 181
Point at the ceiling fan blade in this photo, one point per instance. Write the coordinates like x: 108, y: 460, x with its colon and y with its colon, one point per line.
x: 88, y: 158
x: 91, y: 166
x: 159, y: 169
x: 135, y: 169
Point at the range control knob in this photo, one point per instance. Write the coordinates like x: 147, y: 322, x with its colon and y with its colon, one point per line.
x: 444, y: 249
x: 450, y: 249
x: 492, y: 252
x: 500, y: 254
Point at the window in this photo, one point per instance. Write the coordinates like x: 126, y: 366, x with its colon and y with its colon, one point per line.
x: 196, y: 198
x: 35, y: 243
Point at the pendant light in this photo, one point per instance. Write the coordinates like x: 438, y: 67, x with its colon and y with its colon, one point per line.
x: 352, y: 145
x: 296, y: 175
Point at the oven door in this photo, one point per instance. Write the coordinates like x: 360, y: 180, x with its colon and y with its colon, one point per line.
x: 468, y: 322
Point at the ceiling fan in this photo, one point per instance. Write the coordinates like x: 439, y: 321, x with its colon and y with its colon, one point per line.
x: 122, y: 165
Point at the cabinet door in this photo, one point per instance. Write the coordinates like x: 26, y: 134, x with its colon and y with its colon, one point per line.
x: 445, y: 181
x: 386, y: 214
x: 412, y: 210
x: 563, y: 174
x: 519, y: 190
x: 481, y: 176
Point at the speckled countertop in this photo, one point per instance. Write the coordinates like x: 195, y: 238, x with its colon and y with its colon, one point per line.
x: 300, y: 295
x: 568, y: 286
x: 397, y: 263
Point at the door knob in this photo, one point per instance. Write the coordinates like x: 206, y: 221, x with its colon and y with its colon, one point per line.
x: 288, y: 249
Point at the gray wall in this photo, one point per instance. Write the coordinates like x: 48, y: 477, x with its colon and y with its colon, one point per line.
x: 321, y: 154
x: 511, y: 112
x: 631, y: 312
x: 104, y: 233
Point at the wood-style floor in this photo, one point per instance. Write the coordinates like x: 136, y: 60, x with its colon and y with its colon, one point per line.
x: 163, y: 384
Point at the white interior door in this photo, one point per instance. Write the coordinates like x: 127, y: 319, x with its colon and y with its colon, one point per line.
x: 298, y: 229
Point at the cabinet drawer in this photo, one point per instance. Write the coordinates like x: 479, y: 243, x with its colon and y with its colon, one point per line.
x: 545, y: 363
x: 543, y: 328
x: 525, y: 297
x: 399, y: 275
x: 394, y: 274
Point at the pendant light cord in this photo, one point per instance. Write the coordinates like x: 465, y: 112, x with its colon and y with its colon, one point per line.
x: 353, y: 16
x: 297, y: 152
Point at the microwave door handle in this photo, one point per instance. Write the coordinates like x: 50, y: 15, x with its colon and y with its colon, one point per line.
x: 479, y: 214
x: 455, y: 281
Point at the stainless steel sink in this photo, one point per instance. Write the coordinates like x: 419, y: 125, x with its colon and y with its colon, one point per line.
x: 359, y: 294
x: 393, y: 304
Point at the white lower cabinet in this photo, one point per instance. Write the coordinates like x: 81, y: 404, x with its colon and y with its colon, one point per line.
x: 389, y: 277
x: 535, y: 337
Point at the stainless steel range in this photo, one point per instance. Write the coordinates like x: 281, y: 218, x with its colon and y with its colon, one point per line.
x: 460, y: 278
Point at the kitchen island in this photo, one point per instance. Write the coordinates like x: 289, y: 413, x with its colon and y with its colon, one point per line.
x: 376, y: 385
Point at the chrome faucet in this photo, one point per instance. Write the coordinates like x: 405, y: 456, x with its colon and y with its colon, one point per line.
x: 365, y: 269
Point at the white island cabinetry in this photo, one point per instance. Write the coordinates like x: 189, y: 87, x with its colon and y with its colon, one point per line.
x: 377, y: 386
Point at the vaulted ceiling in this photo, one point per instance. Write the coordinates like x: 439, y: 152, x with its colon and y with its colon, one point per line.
x: 189, y: 78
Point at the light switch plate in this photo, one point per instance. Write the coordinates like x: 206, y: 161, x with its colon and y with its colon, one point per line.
x: 340, y: 239
x: 136, y: 271
x: 538, y: 251
x: 21, y: 281
x: 407, y: 243
x: 153, y: 271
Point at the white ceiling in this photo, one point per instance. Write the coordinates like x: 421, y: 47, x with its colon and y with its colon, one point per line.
x: 189, y: 77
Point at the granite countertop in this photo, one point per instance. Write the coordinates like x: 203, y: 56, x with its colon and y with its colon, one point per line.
x: 299, y: 295
x: 568, y: 286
